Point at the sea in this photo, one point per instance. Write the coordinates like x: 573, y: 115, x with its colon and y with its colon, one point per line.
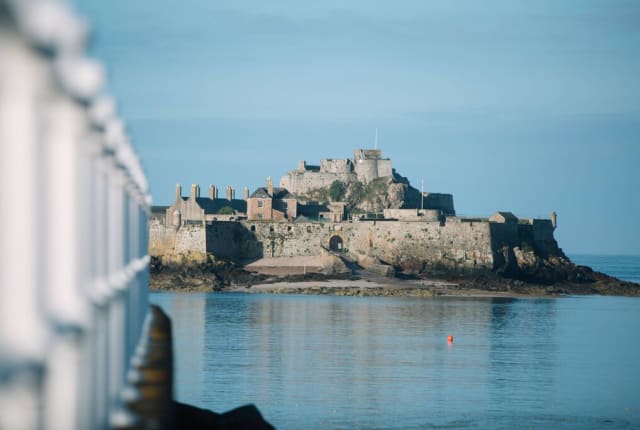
x: 327, y: 362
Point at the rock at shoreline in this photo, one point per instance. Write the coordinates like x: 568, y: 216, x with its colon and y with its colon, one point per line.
x: 242, y: 418
x: 536, y: 277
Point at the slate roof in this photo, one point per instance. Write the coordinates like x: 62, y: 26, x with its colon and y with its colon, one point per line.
x: 159, y: 209
x: 278, y: 193
x: 212, y: 206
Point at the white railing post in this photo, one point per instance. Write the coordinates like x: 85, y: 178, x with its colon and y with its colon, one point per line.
x: 73, y: 239
x: 22, y: 325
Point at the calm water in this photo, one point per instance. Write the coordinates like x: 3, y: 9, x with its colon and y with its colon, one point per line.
x: 625, y: 267
x: 320, y: 362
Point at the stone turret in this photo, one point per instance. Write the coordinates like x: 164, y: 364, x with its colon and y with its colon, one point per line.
x: 178, y: 192
x: 302, y: 166
x: 213, y: 192
x: 245, y: 193
x: 369, y: 165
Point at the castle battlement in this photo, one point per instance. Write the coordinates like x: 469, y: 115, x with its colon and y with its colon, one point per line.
x: 365, y: 166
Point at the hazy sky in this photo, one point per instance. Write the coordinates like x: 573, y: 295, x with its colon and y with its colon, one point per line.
x: 509, y: 105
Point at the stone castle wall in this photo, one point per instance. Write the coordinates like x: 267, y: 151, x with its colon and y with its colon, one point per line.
x: 457, y: 245
x: 174, y: 244
x: 384, y: 168
x: 413, y: 214
x: 368, y: 170
x: 340, y: 166
x: 366, y: 166
x: 301, y: 183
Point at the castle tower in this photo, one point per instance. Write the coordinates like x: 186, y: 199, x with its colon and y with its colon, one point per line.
x: 369, y: 165
x: 178, y: 192
x: 195, y: 190
x: 245, y: 193
x: 269, y: 186
x: 213, y: 192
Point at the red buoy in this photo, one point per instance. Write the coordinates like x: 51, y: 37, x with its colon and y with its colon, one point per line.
x: 450, y: 339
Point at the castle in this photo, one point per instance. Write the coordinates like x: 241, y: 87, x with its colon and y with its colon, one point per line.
x: 276, y: 222
x: 366, y: 165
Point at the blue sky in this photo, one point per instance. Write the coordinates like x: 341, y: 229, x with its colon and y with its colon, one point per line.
x: 509, y: 105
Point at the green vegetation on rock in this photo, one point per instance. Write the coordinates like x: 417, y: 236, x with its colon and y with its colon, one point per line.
x: 337, y: 191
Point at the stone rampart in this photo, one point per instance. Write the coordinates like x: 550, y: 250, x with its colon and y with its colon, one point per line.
x: 175, y: 244
x: 290, y: 239
x: 384, y: 168
x: 339, y: 166
x: 418, y: 215
x: 457, y: 245
x: 366, y: 170
x: 301, y: 183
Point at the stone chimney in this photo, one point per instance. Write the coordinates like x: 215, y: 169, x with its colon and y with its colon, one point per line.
x: 302, y: 166
x: 245, y: 193
x: 231, y: 193
x: 178, y: 192
x: 213, y: 192
x: 195, y: 190
x: 269, y: 186
x: 554, y: 219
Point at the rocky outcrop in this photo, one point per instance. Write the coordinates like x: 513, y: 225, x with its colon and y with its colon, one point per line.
x: 218, y: 275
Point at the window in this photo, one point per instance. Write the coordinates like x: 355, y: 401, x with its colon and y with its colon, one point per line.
x: 253, y: 228
x: 260, y: 203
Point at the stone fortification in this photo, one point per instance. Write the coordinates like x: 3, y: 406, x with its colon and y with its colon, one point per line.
x: 413, y: 214
x: 453, y: 245
x: 369, y: 165
x: 424, y: 246
x: 176, y: 244
x: 366, y: 166
x: 368, y: 183
x: 391, y: 225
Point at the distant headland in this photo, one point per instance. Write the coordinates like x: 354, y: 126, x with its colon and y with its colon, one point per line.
x: 355, y: 218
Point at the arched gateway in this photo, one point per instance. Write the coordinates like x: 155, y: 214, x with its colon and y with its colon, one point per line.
x: 335, y: 243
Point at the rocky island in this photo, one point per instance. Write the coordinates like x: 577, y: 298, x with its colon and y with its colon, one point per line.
x: 358, y: 221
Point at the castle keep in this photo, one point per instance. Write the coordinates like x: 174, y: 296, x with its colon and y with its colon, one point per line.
x: 365, y: 166
x: 271, y: 222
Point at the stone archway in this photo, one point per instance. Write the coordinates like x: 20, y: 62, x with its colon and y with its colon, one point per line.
x: 336, y: 244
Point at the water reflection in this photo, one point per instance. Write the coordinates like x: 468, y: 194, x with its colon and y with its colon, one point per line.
x: 521, y: 356
x: 352, y: 362
x: 189, y: 323
x: 324, y: 357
